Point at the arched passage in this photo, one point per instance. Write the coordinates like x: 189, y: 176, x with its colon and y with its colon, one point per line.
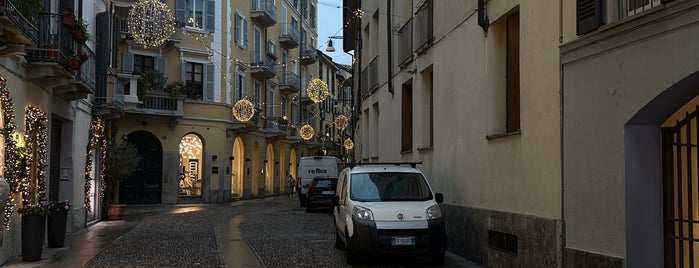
x: 293, y: 163
x: 145, y: 185
x: 269, y: 170
x: 643, y: 166
x: 237, y: 168
x: 190, y: 168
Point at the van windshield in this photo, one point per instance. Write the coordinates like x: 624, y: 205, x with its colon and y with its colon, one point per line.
x: 389, y: 186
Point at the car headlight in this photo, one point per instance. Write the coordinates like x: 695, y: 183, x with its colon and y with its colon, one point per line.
x: 434, y: 212
x: 362, y: 213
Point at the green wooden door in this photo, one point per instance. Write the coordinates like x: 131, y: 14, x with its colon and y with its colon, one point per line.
x: 145, y: 185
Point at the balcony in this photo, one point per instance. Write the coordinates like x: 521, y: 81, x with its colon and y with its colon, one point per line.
x: 289, y: 83
x: 275, y: 127
x: 153, y: 102
x: 16, y: 31
x: 59, y: 62
x: 263, y: 69
x: 305, y: 100
x: 309, y: 55
x: 290, y: 36
x: 424, y: 32
x: 405, y: 44
x: 172, y: 42
x: 263, y: 12
x: 109, y: 96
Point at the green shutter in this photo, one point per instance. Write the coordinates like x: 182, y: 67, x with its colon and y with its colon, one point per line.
x: 589, y: 15
x: 210, y: 15
x: 209, y: 83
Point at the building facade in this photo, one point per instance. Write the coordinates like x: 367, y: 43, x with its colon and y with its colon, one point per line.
x: 629, y: 98
x: 471, y: 90
x: 221, y: 53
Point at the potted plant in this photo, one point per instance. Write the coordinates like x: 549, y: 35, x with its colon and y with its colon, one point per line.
x: 122, y: 161
x: 74, y: 62
x: 33, y: 226
x: 56, y: 223
x: 176, y: 89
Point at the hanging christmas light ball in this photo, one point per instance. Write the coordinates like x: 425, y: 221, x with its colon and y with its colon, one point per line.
x: 317, y: 90
x: 150, y: 23
x: 341, y: 122
x: 243, y: 110
x: 348, y: 144
x: 306, y: 132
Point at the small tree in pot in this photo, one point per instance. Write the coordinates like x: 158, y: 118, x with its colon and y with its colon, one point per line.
x: 122, y: 161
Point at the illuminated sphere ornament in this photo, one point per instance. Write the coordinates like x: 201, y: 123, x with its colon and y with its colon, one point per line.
x: 150, y: 23
x: 243, y: 110
x: 341, y: 122
x: 317, y: 90
x: 306, y: 132
x: 348, y: 144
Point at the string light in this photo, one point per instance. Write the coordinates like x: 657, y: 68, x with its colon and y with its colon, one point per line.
x: 12, y: 169
x: 97, y: 142
x: 190, y: 147
x: 348, y: 144
x: 243, y: 110
x: 306, y: 132
x: 35, y: 154
x: 317, y: 90
x: 150, y: 23
x: 341, y: 122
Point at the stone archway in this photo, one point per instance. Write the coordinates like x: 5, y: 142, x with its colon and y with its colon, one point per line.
x: 145, y: 185
x: 190, y: 167
x: 256, y: 171
x: 269, y: 170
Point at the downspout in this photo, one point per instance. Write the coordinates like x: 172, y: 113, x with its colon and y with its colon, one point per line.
x: 560, y: 90
x: 390, y: 47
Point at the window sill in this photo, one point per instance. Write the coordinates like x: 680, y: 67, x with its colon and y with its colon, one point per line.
x: 428, y: 148
x: 196, y: 30
x: 406, y: 151
x: 373, y: 158
x: 497, y: 136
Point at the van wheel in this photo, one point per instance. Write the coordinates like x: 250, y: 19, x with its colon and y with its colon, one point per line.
x: 338, y: 240
x: 351, y: 259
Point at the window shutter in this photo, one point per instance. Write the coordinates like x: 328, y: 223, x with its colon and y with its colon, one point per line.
x: 210, y: 15
x: 180, y: 13
x: 102, y: 44
x: 184, y: 72
x: 589, y: 15
x: 160, y: 65
x: 237, y: 28
x: 209, y: 83
x: 245, y: 32
x: 127, y: 63
x: 163, y: 1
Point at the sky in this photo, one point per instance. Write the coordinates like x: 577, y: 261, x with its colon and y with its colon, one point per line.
x: 330, y: 24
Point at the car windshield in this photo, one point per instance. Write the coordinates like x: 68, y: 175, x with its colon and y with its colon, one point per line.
x: 389, y: 186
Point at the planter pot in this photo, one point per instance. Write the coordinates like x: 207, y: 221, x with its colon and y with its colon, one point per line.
x: 56, y: 229
x: 74, y: 63
x: 115, y: 212
x: 52, y: 52
x: 68, y: 21
x: 33, y: 227
x: 78, y: 35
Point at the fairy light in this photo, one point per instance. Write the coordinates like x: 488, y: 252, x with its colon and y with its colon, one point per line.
x: 317, y: 90
x: 150, y: 23
x: 349, y: 144
x: 306, y: 132
x: 190, y: 147
x: 13, y: 169
x: 341, y: 122
x: 243, y: 110
x: 99, y: 143
x: 36, y: 137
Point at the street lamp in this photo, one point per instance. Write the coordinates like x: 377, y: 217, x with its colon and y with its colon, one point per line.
x: 330, y: 47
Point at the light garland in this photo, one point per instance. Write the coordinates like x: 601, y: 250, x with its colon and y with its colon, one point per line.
x: 317, y: 90
x: 190, y: 147
x: 13, y: 170
x: 243, y: 110
x: 35, y: 154
x: 341, y: 122
x: 349, y: 144
x: 97, y: 142
x: 306, y: 132
x: 150, y: 23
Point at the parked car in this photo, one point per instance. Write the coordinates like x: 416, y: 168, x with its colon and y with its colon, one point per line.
x: 386, y: 210
x: 320, y: 193
x: 311, y: 167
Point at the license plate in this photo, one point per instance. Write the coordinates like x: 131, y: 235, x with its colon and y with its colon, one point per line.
x: 402, y: 241
x: 328, y: 192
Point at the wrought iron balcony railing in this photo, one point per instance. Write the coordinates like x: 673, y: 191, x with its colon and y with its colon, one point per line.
x: 309, y: 54
x: 20, y: 29
x: 289, y: 37
x: 264, y: 12
x: 263, y: 67
x: 289, y: 82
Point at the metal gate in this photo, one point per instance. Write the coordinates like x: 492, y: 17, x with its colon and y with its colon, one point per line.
x: 681, y: 192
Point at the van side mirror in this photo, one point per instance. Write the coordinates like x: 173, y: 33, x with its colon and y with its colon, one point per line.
x: 336, y: 200
x: 439, y: 198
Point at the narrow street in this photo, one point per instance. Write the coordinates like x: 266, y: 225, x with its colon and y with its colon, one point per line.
x: 277, y: 231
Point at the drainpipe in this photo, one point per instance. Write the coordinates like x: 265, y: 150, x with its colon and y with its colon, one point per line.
x: 560, y: 90
x: 390, y: 46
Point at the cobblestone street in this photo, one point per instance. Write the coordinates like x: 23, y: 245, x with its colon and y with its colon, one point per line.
x: 277, y: 230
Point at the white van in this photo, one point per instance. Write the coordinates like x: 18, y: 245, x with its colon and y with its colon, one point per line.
x: 311, y: 167
x: 388, y: 209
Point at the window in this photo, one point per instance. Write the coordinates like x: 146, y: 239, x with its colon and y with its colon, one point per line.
x: 239, y: 86
x: 241, y: 31
x: 320, y: 70
x: 270, y: 100
x: 637, y: 6
x: 194, y: 79
x: 284, y: 106
x: 512, y: 94
x: 296, y: 4
x: 257, y: 45
x: 423, y: 31
x: 407, y: 118
x: 198, y: 14
x: 312, y: 16
x: 258, y: 94
x: 141, y: 64
x: 389, y: 186
x: 304, y: 9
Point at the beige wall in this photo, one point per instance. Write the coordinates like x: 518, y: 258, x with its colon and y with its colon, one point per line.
x: 608, y: 77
